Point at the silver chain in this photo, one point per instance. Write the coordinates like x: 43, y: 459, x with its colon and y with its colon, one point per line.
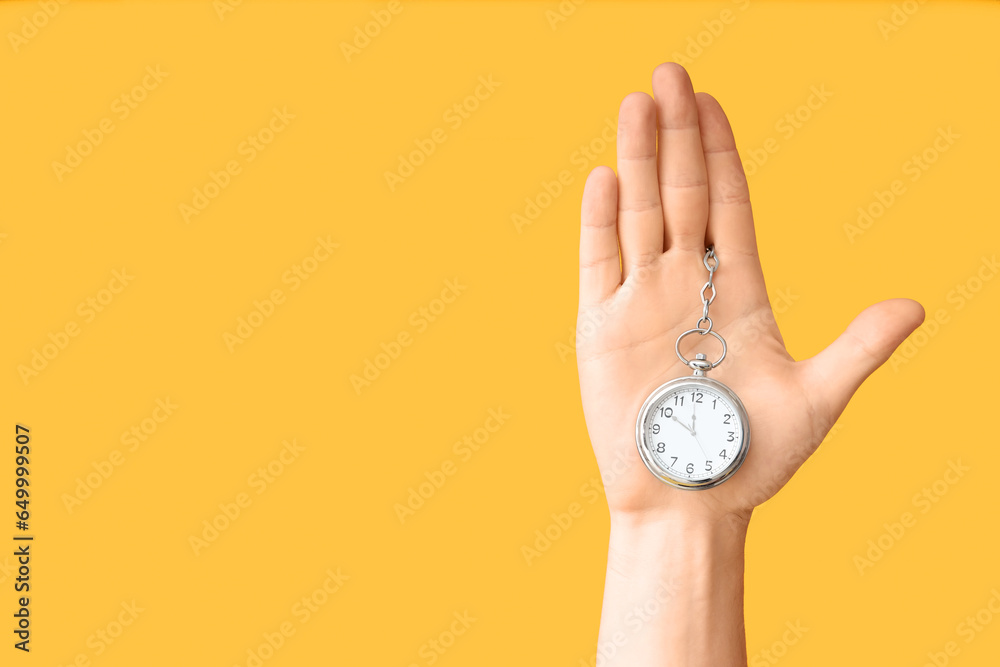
x: 707, y: 301
x: 700, y: 364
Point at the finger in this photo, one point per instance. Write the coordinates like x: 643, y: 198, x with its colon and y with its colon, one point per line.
x: 681, y: 160
x: 730, y: 220
x: 600, y: 273
x: 836, y: 373
x: 640, y: 216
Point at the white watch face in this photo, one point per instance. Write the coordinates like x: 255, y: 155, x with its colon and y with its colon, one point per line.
x: 693, y: 433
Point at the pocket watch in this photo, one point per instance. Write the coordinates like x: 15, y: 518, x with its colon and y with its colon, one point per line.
x: 693, y: 432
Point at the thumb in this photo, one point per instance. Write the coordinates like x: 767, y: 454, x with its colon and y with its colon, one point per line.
x: 835, y: 374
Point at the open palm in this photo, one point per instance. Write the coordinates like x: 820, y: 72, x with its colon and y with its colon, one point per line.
x: 680, y: 187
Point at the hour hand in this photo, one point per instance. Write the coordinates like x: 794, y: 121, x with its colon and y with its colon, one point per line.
x: 686, y: 428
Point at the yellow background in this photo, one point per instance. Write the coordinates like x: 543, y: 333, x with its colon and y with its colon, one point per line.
x: 495, y: 346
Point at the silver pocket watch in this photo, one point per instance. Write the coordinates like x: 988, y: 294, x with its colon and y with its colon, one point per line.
x: 693, y: 432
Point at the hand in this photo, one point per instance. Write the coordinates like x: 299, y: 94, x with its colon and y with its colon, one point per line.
x: 680, y: 186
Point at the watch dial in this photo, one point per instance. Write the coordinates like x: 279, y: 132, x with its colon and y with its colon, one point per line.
x: 693, y: 432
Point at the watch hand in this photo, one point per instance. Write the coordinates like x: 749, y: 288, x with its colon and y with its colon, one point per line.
x: 693, y: 429
x: 700, y: 446
x: 686, y: 427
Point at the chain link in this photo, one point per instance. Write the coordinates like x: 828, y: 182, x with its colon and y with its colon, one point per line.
x: 700, y: 364
x: 707, y: 301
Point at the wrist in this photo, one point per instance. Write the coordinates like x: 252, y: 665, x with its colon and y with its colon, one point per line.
x: 677, y: 543
x: 674, y: 590
x: 695, y: 517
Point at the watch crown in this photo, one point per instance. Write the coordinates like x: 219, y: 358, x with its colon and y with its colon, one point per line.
x: 700, y: 364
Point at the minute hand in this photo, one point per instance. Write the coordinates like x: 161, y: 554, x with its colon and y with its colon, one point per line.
x: 694, y: 432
